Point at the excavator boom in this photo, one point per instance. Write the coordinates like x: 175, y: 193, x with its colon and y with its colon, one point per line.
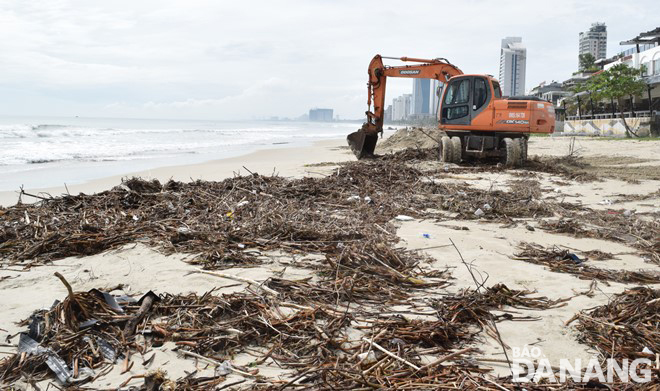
x: 363, y: 142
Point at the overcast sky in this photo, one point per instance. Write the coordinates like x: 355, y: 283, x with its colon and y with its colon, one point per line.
x: 248, y: 59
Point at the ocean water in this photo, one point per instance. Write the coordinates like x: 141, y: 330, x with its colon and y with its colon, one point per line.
x: 44, y: 152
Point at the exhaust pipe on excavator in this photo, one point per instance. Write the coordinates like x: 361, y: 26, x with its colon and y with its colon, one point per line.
x: 362, y: 144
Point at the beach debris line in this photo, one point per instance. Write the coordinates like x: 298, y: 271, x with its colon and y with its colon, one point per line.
x: 304, y: 326
x: 616, y: 226
x: 308, y: 214
x: 563, y: 260
x: 626, y: 327
x: 302, y: 329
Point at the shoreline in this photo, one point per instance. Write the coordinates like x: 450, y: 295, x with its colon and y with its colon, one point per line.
x: 288, y: 161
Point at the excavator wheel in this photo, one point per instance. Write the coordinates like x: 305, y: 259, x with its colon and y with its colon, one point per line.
x: 511, y: 153
x: 456, y: 150
x: 446, y: 150
x: 522, y: 145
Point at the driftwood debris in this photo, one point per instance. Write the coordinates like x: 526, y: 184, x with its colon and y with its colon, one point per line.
x: 334, y: 331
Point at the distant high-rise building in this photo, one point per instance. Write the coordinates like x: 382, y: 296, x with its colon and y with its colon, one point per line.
x: 594, y: 41
x: 513, y: 58
x: 420, y: 96
x: 401, y: 107
x: 321, y: 115
x: 387, y: 117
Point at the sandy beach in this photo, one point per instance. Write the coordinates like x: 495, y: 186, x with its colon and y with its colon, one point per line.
x: 282, y: 161
x: 627, y: 176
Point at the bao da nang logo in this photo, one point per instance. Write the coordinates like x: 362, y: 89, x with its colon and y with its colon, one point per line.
x: 530, y: 365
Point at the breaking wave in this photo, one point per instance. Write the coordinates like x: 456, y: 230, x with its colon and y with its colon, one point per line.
x: 106, y: 140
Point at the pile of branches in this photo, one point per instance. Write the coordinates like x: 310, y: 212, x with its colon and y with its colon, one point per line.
x: 219, y: 220
x: 570, y: 167
x: 299, y: 327
x: 88, y: 332
x: 626, y: 327
x: 643, y: 234
x: 561, y: 260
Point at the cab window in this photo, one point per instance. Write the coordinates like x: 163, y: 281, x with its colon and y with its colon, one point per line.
x: 458, y: 92
x: 496, y: 89
x: 480, y: 93
x: 456, y: 112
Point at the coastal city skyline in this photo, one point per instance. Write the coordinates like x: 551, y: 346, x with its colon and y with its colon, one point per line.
x: 176, y: 60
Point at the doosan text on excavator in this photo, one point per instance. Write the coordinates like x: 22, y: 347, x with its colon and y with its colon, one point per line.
x: 477, y: 120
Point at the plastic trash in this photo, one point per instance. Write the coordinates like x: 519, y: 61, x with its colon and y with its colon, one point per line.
x: 223, y: 369
x: 106, y: 349
x: 427, y: 236
x: 367, y: 358
x: 479, y: 212
x: 353, y: 198
x: 487, y: 207
x: 398, y: 341
x: 241, y: 245
x: 242, y: 203
x: 605, y: 202
x: 367, y: 199
x: 574, y: 258
x: 55, y: 363
x: 403, y: 218
x: 647, y: 350
x: 446, y: 168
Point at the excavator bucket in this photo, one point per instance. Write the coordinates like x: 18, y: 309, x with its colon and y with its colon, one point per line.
x: 362, y: 144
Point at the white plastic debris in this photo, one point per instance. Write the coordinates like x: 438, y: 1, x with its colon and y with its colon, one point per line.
x: 183, y: 230
x: 353, y: 198
x: 629, y: 212
x: 367, y: 199
x: 403, y: 218
x: 487, y: 207
x: 223, y: 369
x: 367, y: 358
x: 242, y: 203
x: 241, y: 245
x: 605, y: 202
x: 446, y: 168
x: 479, y: 212
x: 647, y: 350
x: 135, y: 218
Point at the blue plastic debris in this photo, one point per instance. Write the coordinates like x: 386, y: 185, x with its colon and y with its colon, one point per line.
x: 574, y: 258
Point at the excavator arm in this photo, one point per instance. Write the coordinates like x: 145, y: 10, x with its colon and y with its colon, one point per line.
x: 363, y: 142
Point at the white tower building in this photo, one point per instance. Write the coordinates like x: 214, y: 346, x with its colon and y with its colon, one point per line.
x: 513, y: 58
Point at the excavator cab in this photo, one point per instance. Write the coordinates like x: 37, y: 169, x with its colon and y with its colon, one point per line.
x: 465, y: 97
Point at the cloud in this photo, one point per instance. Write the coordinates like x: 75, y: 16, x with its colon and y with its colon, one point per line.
x: 228, y: 60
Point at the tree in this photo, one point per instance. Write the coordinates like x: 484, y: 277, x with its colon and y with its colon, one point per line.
x: 587, y: 62
x: 617, y: 83
x: 588, y: 87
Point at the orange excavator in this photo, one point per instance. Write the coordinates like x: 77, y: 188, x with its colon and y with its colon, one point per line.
x: 477, y: 120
